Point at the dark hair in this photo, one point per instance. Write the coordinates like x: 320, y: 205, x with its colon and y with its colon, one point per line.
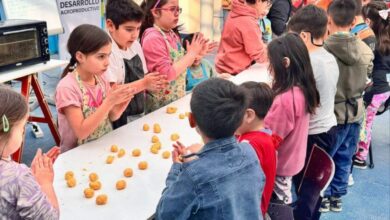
x: 87, y: 39
x: 218, y: 107
x: 14, y: 107
x: 311, y: 19
x: 359, y: 5
x: 298, y: 73
x: 147, y: 6
x: 342, y: 12
x: 188, y: 38
x: 254, y: 1
x: 380, y: 26
x: 260, y: 97
x: 121, y: 11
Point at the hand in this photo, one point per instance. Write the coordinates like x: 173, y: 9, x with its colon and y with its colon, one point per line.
x: 155, y: 81
x: 208, y: 47
x: 196, y: 45
x: 180, y: 150
x: 42, y: 169
x: 120, y: 94
x: 53, y: 153
x: 224, y: 75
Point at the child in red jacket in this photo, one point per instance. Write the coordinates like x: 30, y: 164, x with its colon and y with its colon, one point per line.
x: 252, y: 130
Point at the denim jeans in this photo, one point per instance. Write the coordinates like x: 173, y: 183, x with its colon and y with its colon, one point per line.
x: 345, y: 141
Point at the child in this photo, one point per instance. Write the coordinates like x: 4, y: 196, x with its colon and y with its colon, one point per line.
x: 296, y: 98
x: 252, y: 130
x: 377, y: 15
x: 24, y: 193
x: 241, y: 43
x: 199, y: 71
x: 354, y: 59
x: 361, y: 29
x: 164, y: 52
x: 127, y: 61
x: 310, y: 23
x: 266, y: 30
x: 222, y: 179
x: 85, y: 103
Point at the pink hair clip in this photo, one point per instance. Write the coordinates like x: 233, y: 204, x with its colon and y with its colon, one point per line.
x: 158, y: 2
x: 384, y: 14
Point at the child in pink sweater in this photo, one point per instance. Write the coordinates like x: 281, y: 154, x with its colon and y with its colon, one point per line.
x: 241, y: 42
x: 296, y: 98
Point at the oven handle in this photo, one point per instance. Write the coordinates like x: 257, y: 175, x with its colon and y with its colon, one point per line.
x: 18, y: 31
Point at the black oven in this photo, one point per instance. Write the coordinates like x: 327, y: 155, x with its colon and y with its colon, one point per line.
x: 22, y: 43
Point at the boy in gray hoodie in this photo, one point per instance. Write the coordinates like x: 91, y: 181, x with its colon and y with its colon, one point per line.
x: 354, y: 59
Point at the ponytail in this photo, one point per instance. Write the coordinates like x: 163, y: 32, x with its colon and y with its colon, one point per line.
x: 70, y: 67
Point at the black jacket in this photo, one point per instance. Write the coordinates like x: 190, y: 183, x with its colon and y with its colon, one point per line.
x: 279, y: 14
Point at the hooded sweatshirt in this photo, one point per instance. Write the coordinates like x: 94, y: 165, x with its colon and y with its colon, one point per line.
x: 354, y: 58
x: 241, y: 42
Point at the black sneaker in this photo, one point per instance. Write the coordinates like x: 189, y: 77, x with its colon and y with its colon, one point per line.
x: 325, y: 205
x: 360, y: 164
x: 336, y: 204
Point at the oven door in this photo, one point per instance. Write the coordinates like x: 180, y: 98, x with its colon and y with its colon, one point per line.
x: 19, y: 47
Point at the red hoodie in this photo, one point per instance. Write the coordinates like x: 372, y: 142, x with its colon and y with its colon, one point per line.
x: 241, y: 42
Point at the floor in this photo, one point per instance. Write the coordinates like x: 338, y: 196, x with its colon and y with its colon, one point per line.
x: 368, y: 198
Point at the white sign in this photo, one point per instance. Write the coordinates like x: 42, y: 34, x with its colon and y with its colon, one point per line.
x: 74, y: 13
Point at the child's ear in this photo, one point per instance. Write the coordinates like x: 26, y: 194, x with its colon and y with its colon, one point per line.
x: 80, y: 57
x: 110, y: 25
x: 191, y: 120
x: 250, y: 115
x: 155, y: 13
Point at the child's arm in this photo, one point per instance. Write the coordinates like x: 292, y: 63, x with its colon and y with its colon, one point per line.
x: 254, y: 45
x: 83, y: 127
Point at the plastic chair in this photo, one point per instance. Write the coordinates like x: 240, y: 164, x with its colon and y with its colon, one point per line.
x: 316, y: 178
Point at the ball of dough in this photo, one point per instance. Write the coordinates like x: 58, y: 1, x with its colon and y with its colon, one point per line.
x: 143, y: 165
x: 146, y: 127
x: 71, y: 182
x: 136, y: 152
x: 121, y: 153
x: 95, y: 185
x: 88, y: 193
x: 128, y: 172
x: 69, y: 175
x: 93, y: 177
x: 120, y: 185
x: 175, y: 137
x: 156, y: 128
x: 154, y: 150
x: 166, y: 154
x: 157, y: 145
x: 182, y: 116
x: 171, y: 110
x: 110, y: 159
x: 155, y: 139
x: 114, y: 148
x: 101, y: 199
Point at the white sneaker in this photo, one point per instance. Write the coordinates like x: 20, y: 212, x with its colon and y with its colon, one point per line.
x: 350, y: 180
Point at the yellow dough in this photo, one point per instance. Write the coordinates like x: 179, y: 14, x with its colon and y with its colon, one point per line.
x: 101, y: 199
x: 121, y: 184
x: 155, y: 139
x: 187, y: 114
x: 110, y: 159
x: 136, y: 152
x: 95, y: 185
x: 69, y: 175
x: 154, y: 150
x: 143, y: 165
x: 146, y: 127
x: 128, y: 172
x: 157, y: 145
x: 114, y: 148
x: 93, y: 177
x: 88, y: 193
x: 175, y: 137
x: 71, y: 182
x: 121, y: 153
x: 166, y: 154
x: 171, y: 110
x: 156, y: 128
x: 182, y: 116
